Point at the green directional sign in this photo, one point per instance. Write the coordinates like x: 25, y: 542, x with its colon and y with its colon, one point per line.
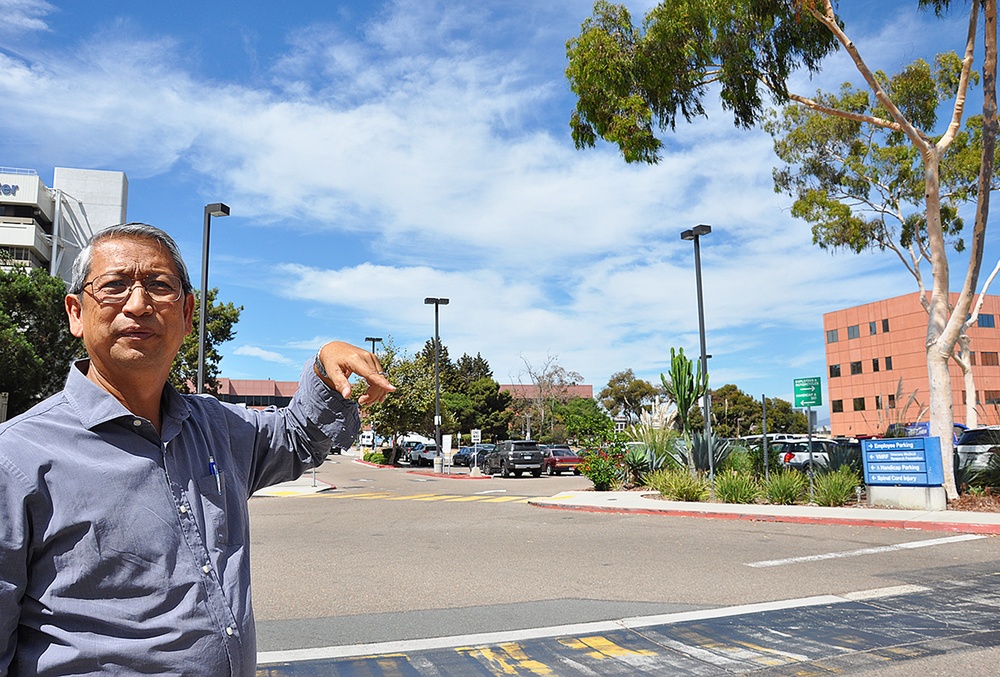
x: 808, y: 392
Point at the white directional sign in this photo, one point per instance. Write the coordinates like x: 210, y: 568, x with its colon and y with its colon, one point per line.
x: 808, y: 392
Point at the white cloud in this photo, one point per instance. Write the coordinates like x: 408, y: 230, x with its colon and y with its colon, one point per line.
x: 262, y: 354
x: 426, y: 134
x: 24, y: 15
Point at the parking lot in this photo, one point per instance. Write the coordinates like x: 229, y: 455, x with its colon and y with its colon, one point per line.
x: 394, y: 555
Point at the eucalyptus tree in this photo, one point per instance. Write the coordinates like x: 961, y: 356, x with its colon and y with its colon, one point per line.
x: 631, y: 79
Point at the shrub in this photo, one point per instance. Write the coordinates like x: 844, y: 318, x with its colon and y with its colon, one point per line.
x: 844, y: 455
x: 835, y: 488
x: 677, y: 484
x: 786, y: 487
x: 739, y: 461
x: 736, y: 487
x: 602, y: 468
x: 376, y: 457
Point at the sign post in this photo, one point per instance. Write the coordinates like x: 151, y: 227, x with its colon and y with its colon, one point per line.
x: 809, y: 393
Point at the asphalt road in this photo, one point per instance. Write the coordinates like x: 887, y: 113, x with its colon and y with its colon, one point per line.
x: 392, y: 556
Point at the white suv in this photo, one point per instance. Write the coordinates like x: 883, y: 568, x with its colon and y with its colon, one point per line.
x: 794, y: 453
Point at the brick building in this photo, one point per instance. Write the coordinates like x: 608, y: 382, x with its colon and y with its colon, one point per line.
x: 870, y: 347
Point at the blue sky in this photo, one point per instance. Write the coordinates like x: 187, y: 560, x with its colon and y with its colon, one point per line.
x: 376, y: 153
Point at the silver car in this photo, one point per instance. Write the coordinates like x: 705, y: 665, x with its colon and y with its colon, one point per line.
x: 977, y: 445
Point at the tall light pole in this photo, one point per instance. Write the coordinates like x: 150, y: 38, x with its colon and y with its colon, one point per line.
x: 214, y: 209
x: 695, y: 234
x: 373, y: 340
x: 437, y: 302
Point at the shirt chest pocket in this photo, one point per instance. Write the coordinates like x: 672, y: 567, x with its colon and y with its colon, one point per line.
x: 213, y: 502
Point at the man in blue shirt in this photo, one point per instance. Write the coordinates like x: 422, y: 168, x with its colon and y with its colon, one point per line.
x: 124, y: 532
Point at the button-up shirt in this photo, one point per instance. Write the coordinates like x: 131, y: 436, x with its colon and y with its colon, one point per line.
x: 126, y: 552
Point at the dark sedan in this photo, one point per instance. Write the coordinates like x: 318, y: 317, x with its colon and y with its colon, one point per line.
x: 469, y: 456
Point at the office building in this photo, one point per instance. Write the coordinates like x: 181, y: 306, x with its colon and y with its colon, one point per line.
x: 876, y: 360
x: 43, y: 227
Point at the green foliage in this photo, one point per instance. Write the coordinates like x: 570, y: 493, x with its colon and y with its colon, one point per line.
x: 602, y: 468
x: 786, y: 487
x: 677, y: 484
x: 862, y: 185
x: 580, y: 418
x: 684, y: 387
x: 990, y: 475
x: 627, y: 79
x: 626, y: 394
x: 36, y: 346
x: 695, y: 454
x: 411, y: 407
x: 836, y: 488
x: 732, y: 486
x: 219, y: 328
x: 844, y: 456
x: 740, y: 460
x: 376, y: 457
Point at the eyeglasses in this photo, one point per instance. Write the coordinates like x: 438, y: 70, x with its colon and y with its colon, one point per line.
x: 115, y: 288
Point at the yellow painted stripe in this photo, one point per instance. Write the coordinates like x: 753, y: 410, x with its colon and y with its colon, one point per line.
x: 437, y: 497
x: 410, y: 497
x: 502, y: 499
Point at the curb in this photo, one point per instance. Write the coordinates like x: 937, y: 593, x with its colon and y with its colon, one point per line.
x: 953, y: 527
x: 425, y: 473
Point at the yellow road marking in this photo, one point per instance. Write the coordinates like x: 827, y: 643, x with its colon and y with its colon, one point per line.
x: 602, y: 647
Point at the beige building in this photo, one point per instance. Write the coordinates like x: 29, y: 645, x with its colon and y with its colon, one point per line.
x: 45, y: 227
x: 870, y: 348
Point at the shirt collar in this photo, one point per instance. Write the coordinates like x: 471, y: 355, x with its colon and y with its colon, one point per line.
x: 95, y: 405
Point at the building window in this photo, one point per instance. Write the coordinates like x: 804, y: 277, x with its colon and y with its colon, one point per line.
x: 885, y: 326
x: 888, y: 364
x: 878, y: 402
x: 875, y: 364
x: 972, y: 359
x: 873, y: 327
x: 986, y: 321
x: 859, y: 404
x: 837, y: 406
x: 990, y: 359
x: 831, y: 336
x: 855, y: 368
x: 834, y: 370
x: 991, y: 396
x: 853, y: 331
x: 892, y: 401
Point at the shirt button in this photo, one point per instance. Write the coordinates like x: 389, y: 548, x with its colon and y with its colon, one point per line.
x: 230, y: 631
x: 137, y: 422
x: 207, y: 569
x: 184, y: 509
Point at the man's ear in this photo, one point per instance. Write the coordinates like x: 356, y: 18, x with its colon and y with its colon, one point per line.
x: 188, y: 313
x: 74, y: 310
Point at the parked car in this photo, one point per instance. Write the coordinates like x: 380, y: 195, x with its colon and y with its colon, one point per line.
x: 469, y: 456
x: 514, y: 457
x: 794, y: 453
x: 558, y: 458
x: 977, y: 445
x: 423, y: 454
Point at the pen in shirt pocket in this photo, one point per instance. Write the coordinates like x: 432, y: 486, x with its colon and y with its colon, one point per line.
x: 214, y: 469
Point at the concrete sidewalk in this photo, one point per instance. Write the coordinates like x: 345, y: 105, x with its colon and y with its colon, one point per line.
x: 303, y: 486
x: 647, y: 504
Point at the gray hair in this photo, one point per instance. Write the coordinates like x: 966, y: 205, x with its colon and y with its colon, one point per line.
x: 143, y: 231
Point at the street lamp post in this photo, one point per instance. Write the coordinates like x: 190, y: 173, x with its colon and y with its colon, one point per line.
x: 695, y: 235
x: 214, y: 209
x: 437, y: 302
x: 373, y: 340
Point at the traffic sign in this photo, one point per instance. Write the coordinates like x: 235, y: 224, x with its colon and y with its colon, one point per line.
x: 808, y: 392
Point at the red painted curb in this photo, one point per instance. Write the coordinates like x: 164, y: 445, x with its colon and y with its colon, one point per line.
x: 793, y: 519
